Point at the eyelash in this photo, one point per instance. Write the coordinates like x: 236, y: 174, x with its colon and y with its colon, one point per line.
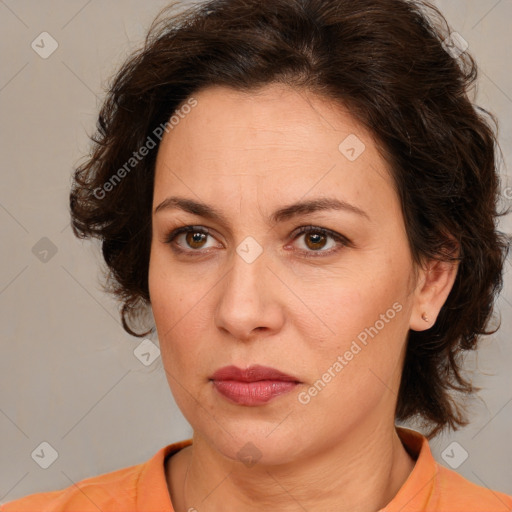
x: 340, y: 239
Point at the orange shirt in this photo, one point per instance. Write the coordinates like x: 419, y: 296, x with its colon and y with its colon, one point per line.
x: 143, y: 488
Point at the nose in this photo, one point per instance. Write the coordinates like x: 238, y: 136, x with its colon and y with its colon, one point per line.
x: 249, y: 300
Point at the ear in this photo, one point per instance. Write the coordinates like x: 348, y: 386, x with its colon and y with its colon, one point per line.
x: 434, y: 283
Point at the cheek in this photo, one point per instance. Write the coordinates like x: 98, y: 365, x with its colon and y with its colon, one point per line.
x: 173, y: 293
x: 352, y: 302
x: 176, y: 322
x: 179, y: 305
x: 358, y: 366
x: 168, y: 300
x: 366, y: 313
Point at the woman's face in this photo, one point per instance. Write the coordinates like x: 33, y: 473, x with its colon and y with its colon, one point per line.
x: 331, y: 308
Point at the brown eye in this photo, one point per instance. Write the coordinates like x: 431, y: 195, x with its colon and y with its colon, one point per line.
x: 191, y: 239
x: 315, y: 241
x: 195, y: 239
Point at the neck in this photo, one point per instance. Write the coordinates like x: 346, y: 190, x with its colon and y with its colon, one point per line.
x: 363, y: 472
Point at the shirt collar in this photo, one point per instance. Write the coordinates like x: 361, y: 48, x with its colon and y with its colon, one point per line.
x: 152, y: 490
x: 417, y: 490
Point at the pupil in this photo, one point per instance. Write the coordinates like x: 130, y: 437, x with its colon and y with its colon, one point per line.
x: 316, y: 239
x: 195, y: 239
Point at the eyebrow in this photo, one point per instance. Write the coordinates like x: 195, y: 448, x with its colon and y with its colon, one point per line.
x: 280, y: 215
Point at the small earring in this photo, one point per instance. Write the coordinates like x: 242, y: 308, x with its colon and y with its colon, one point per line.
x: 425, y: 317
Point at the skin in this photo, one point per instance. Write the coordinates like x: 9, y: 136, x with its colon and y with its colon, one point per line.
x: 247, y: 155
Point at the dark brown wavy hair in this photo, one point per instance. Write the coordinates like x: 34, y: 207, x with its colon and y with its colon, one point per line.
x: 383, y: 59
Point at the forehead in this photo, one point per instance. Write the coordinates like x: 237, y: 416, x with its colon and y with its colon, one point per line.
x: 278, y: 142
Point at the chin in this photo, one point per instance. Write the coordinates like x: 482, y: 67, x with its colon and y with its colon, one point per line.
x: 251, y: 441
x: 254, y: 446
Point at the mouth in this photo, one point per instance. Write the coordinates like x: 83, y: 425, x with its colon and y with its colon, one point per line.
x: 253, y: 386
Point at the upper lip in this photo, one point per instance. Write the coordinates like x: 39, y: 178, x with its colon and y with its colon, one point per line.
x: 251, y: 374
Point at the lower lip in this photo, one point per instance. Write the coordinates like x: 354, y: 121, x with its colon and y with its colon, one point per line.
x: 252, y: 393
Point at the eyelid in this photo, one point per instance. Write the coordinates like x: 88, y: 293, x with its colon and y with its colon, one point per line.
x: 340, y: 239
x: 173, y: 234
x: 318, y: 229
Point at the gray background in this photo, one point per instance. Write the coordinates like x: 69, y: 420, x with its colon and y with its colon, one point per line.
x: 69, y: 374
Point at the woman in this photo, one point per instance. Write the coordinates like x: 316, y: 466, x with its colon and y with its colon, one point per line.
x: 303, y: 195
